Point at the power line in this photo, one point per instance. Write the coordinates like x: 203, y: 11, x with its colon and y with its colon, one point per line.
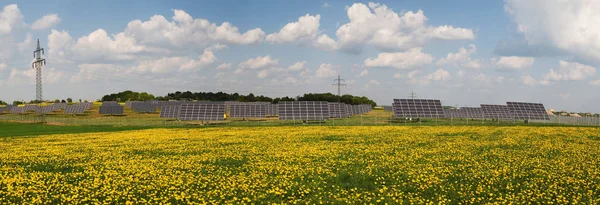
x: 412, y: 95
x: 339, y: 85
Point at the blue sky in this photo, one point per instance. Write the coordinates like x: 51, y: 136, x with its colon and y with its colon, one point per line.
x: 462, y: 52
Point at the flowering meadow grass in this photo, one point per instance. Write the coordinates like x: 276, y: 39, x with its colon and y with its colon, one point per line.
x: 307, y: 164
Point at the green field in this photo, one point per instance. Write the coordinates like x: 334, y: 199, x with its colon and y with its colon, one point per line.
x: 8, y: 129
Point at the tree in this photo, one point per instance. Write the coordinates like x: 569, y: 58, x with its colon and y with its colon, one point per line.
x: 2, y: 102
x: 69, y: 100
x: 18, y: 102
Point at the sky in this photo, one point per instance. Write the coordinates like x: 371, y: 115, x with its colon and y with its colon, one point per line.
x: 464, y: 53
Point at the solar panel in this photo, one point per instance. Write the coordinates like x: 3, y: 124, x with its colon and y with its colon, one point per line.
x: 128, y: 103
x: 473, y: 112
x: 17, y: 110
x: 30, y: 108
x: 248, y: 110
x: 528, y: 111
x: 59, y: 106
x: 418, y: 108
x: 169, y: 111
x: 337, y: 110
x: 304, y: 110
x: 111, y: 110
x: 75, y: 109
x: 143, y: 107
x: 202, y: 112
x: 3, y: 109
x: 272, y: 109
x: 387, y: 108
x: 45, y: 109
x: 110, y: 103
x: 496, y: 112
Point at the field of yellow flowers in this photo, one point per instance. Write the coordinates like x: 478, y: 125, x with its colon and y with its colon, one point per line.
x: 341, y: 165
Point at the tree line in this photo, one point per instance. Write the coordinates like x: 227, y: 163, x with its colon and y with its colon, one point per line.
x: 221, y: 96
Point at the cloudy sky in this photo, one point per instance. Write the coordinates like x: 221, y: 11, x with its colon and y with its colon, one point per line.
x: 463, y: 52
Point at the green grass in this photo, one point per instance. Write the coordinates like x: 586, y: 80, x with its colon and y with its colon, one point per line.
x: 29, y: 129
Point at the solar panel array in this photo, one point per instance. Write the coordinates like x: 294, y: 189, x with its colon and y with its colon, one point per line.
x: 143, y: 107
x: 202, y: 112
x: 304, y: 110
x: 248, y: 110
x: 3, y: 109
x: 337, y: 110
x: 496, y: 112
x: 86, y: 105
x: 45, y: 109
x: 169, y: 111
x: 128, y: 103
x: 473, y: 112
x: 418, y: 108
x: 111, y: 110
x: 528, y: 111
x: 75, y: 109
x: 387, y: 108
x: 30, y: 108
x: 17, y: 110
x: 272, y: 109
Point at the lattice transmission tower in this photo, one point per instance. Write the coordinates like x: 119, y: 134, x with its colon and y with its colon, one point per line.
x: 339, y: 85
x: 37, y: 64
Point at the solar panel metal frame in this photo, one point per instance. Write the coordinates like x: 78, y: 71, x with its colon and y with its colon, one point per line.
x: 528, y: 111
x: 111, y: 110
x: 304, y: 110
x: 17, y: 110
x: 248, y: 110
x: 202, y: 112
x: 337, y: 110
x: 272, y: 109
x: 169, y: 111
x: 501, y: 112
x: 418, y: 108
x: 75, y: 109
x: 143, y: 107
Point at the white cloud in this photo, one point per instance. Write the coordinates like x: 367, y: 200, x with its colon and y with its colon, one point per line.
x: 258, y: 63
x: 298, y: 66
x: 2, y: 66
x: 27, y: 76
x: 569, y: 71
x: 438, y: 75
x: 326, y: 70
x: 185, y: 31
x: 304, y: 30
x: 324, y: 42
x: 570, y: 26
x: 513, y: 62
x: 364, y: 73
x: 595, y: 82
x: 224, y: 66
x: 262, y: 74
x: 378, y: 25
x: 528, y: 80
x: 374, y: 82
x: 413, y: 58
x: 48, y: 21
x: 398, y: 76
x: 171, y: 64
x: 461, y: 59
x: 10, y: 18
x: 59, y: 45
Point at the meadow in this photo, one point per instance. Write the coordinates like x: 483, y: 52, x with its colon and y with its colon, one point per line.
x: 305, y: 164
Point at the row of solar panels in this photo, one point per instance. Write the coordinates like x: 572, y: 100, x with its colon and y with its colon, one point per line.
x: 302, y: 110
x: 68, y: 109
x: 425, y: 108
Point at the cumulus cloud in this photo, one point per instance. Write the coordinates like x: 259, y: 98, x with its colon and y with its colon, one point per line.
x: 324, y: 42
x: 2, y: 66
x: 326, y: 70
x: 528, y: 80
x: 304, y: 30
x: 224, y: 66
x: 569, y: 26
x: 48, y: 21
x: 378, y: 25
x: 298, y: 66
x: 363, y: 73
x: 19, y: 76
x: 513, y: 62
x: 258, y: 63
x: 461, y: 59
x: 413, y: 58
x: 569, y: 71
x: 10, y: 18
